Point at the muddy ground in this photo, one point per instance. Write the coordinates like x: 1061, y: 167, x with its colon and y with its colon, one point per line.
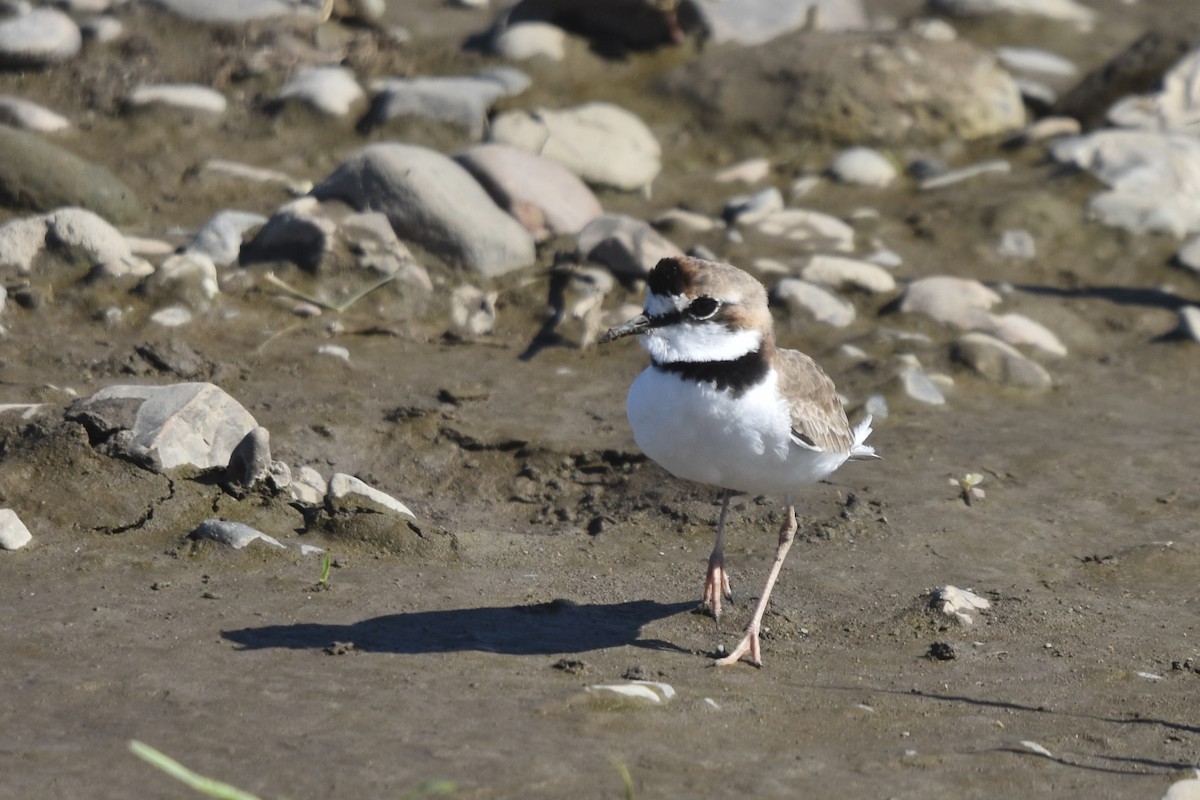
x: 552, y: 556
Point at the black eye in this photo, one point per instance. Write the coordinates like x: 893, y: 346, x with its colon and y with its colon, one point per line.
x: 703, y: 308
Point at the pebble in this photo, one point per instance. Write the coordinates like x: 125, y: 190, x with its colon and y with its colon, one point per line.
x: 220, y: 237
x: 544, y: 196
x: 250, y: 461
x: 813, y: 229
x: 1189, y: 323
x: 796, y: 294
x: 41, y: 37
x: 1017, y: 244
x: 184, y: 96
x: 933, y: 29
x: 432, y: 201
x: 308, y: 487
x: 752, y: 208
x: 21, y: 241
x: 13, y: 533
x: 1017, y: 329
x: 1174, y: 108
x: 1187, y: 256
x: 1186, y: 789
x: 1154, y: 178
x: 839, y: 272
x: 332, y: 90
x: 863, y: 166
x: 524, y: 41
x: 463, y: 101
x: 188, y: 278
x: 1032, y: 59
x: 958, y: 603
x: 992, y: 166
x: 473, y: 311
x: 688, y: 220
x: 348, y: 493
x: 102, y: 29
x: 81, y: 235
x: 233, y: 169
x: 916, y: 385
x: 752, y: 22
x: 171, y: 317
x: 239, y: 10
x: 948, y: 299
x: 38, y: 176
x: 334, y: 351
x: 176, y: 425
x: 235, y: 534
x: 1064, y: 10
x: 600, y: 142
x: 626, y: 245
x: 300, y: 232
x: 1000, y: 362
x: 28, y: 115
x: 654, y: 692
x: 751, y: 170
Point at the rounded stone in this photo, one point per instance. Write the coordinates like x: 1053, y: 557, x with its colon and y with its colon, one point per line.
x: 862, y: 166
x: 41, y: 38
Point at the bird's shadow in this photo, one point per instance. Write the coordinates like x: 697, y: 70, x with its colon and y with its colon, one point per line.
x: 556, y: 627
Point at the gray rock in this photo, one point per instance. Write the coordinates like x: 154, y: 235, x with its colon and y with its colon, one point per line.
x: 184, y: 96
x: 299, y: 232
x: 916, y: 385
x: 1032, y: 59
x: 250, y: 461
x: 370, y: 237
x: 811, y: 229
x: 38, y: 176
x: 183, y: 424
x: 600, y: 142
x: 863, y: 166
x: 839, y: 272
x: 187, y: 278
x: 626, y: 245
x: 308, y: 487
x: 462, y: 101
x: 40, y: 38
x: 332, y: 90
x: 752, y: 22
x: 1063, y: 10
x: 1189, y: 323
x: 21, y: 241
x: 434, y: 202
x: 991, y: 166
x: 1154, y: 178
x: 752, y: 208
x: 949, y: 300
x: 241, y: 10
x: 1017, y: 329
x: 13, y: 533
x: 1017, y: 244
x: 798, y: 295
x: 1187, y: 256
x: 874, y: 89
x: 234, y: 534
x: 543, y: 195
x: 1000, y: 362
x: 348, y: 494
x: 220, y: 238
x: 27, y: 115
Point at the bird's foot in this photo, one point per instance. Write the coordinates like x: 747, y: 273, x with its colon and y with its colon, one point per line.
x: 716, y: 587
x: 748, y: 645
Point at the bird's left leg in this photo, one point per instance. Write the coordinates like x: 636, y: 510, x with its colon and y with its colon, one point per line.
x: 749, y: 643
x: 716, y: 582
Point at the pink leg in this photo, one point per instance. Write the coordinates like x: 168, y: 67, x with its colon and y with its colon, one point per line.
x: 716, y: 582
x: 749, y: 643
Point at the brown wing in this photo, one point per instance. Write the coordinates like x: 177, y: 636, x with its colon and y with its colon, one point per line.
x: 818, y: 418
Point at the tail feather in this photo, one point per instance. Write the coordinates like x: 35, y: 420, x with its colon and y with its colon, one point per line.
x: 860, y: 449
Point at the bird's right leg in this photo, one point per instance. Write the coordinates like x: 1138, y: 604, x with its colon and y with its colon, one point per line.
x: 716, y: 582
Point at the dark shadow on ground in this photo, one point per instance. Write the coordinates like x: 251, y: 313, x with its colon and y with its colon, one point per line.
x: 560, y: 626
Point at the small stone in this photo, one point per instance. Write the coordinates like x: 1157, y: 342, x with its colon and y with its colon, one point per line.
x: 626, y: 245
x: 993, y: 166
x: 183, y: 96
x: 102, y: 29
x: 839, y: 272
x: 529, y: 40
x: 235, y: 534
x: 171, y: 317
x: 250, y: 461
x: 812, y: 229
x: 1000, y: 362
x: 943, y: 651
x: 1017, y: 329
x: 824, y: 306
x: 1189, y: 323
x: 40, y: 37
x: 347, y: 493
x: 863, y: 166
x: 21, y: 240
x: 332, y: 90
x: 916, y: 385
x: 220, y: 238
x: 190, y: 278
x: 21, y: 113
x: 689, y: 220
x: 473, y: 311
x: 1032, y: 59
x: 300, y: 232
x: 749, y: 209
x: 751, y: 170
x: 1187, y: 256
x: 948, y: 299
x: 334, y: 351
x: 1017, y: 244
x: 13, y: 533
x: 308, y: 487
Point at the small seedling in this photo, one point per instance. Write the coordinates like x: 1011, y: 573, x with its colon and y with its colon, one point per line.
x: 326, y: 563
x: 208, y: 786
x: 968, y: 487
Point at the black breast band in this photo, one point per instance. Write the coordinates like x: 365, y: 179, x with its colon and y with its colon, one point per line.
x: 735, y: 376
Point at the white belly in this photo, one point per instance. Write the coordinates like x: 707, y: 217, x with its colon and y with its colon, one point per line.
x: 699, y: 433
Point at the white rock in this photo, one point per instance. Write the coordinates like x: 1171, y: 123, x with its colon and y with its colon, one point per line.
x: 308, y: 487
x: 1032, y: 59
x: 21, y: 113
x: 184, y: 96
x: 180, y: 424
x: 188, y: 277
x: 655, y: 692
x: 1188, y: 255
x: 994, y: 166
x: 600, y: 142
x: 948, y: 300
x: 1189, y: 322
x: 13, y: 533
x: 824, y: 306
x: 863, y: 166
x: 1176, y: 107
x: 1017, y: 244
x: 1000, y: 362
x: 751, y: 170
x: 235, y: 534
x: 241, y: 10
x: 431, y: 200
x: 918, y: 386
x: 41, y: 37
x: 689, y: 220
x: 347, y: 493
x: 932, y: 29
x: 220, y: 238
x: 102, y: 29
x: 1064, y: 10
x: 171, y: 317
x: 960, y: 603
x: 331, y: 90
x: 84, y: 236
x: 748, y: 209
x: 840, y: 272
x: 21, y: 240
x: 546, y: 197
x: 334, y: 351
x: 1187, y: 789
x: 752, y: 22
x: 458, y: 100
x: 626, y: 245
x: 813, y: 229
x: 1154, y: 178
x: 1017, y: 329
x: 473, y: 311
x: 246, y: 172
x: 528, y: 40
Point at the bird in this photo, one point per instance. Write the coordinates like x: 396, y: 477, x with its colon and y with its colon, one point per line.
x: 721, y: 404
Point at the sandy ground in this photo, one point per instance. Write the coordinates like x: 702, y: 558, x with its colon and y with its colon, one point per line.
x: 552, y: 556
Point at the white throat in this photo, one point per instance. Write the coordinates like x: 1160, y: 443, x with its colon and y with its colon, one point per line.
x: 699, y: 342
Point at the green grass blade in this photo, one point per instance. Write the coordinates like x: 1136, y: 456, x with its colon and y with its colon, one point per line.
x: 208, y: 786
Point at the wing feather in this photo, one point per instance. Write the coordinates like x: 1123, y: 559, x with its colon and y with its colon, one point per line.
x: 818, y: 419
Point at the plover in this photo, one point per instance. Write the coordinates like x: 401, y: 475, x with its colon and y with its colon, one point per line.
x: 721, y: 404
